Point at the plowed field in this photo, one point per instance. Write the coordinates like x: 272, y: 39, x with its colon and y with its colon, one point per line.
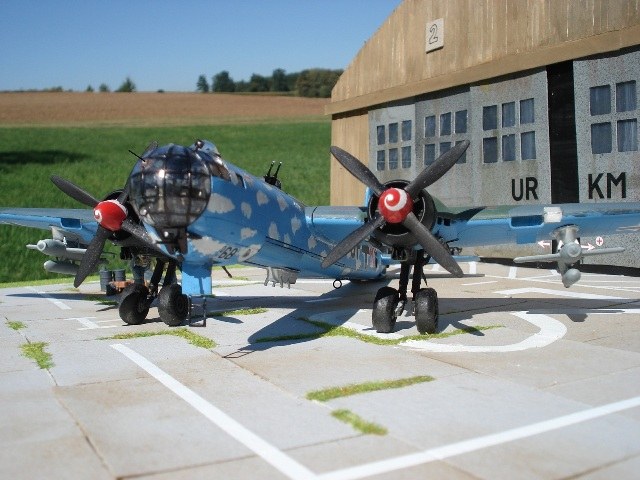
x: 76, y: 109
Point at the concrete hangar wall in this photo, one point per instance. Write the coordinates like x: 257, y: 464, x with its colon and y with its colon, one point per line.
x: 545, y: 90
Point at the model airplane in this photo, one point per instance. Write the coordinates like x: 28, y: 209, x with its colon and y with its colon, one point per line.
x: 192, y: 210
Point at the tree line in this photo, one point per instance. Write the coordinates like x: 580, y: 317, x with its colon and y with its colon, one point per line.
x: 314, y: 82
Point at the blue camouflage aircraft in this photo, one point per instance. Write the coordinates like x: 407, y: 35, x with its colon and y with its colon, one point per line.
x: 192, y: 210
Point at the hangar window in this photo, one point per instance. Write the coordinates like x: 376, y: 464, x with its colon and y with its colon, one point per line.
x: 490, y: 117
x: 380, y: 160
x: 430, y: 126
x: 508, y: 148
x: 506, y: 123
x: 461, y: 122
x: 621, y: 124
x: 393, y: 133
x: 601, y: 138
x: 445, y: 124
x: 406, y: 131
x: 626, y: 96
x: 406, y: 157
x: 628, y: 135
x: 509, y: 114
x: 528, y: 145
x: 393, y: 159
x: 600, y: 100
x: 441, y: 132
x: 490, y: 150
x: 526, y: 111
x: 429, y: 154
x: 393, y: 145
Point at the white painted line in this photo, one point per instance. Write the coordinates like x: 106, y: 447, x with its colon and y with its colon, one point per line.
x: 278, y: 459
x: 559, y: 293
x: 551, y: 330
x: 479, y: 283
x: 56, y: 302
x: 318, y: 300
x: 479, y: 443
x: 91, y: 325
x: 513, y: 272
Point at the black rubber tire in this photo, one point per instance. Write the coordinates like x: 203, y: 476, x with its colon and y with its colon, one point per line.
x: 384, y: 310
x: 134, y: 304
x: 426, y: 310
x: 173, y: 306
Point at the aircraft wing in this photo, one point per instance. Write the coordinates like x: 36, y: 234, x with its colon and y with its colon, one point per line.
x: 78, y: 223
x: 532, y: 223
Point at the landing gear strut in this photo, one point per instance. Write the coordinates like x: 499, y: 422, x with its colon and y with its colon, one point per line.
x: 136, y: 299
x: 390, y: 303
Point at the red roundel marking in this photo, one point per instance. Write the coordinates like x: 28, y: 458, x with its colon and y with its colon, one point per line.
x: 394, y: 204
x: 110, y: 214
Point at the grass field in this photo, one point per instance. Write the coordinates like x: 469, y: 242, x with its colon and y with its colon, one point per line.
x: 94, y: 154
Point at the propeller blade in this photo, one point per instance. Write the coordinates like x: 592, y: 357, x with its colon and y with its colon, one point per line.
x: 74, y: 191
x: 437, y: 169
x: 140, y: 233
x: 432, y: 246
x: 351, y: 241
x: 91, y: 258
x: 358, y: 169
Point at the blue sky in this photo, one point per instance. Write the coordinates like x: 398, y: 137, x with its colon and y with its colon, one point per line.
x: 166, y: 45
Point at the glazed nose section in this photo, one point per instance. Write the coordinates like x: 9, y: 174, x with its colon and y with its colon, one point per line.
x: 170, y: 188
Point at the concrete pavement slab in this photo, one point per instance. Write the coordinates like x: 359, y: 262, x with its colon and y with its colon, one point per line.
x: 120, y: 420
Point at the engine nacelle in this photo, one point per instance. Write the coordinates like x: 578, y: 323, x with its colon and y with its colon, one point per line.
x: 396, y: 234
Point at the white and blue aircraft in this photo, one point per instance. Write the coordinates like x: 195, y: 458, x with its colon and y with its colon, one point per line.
x: 192, y: 210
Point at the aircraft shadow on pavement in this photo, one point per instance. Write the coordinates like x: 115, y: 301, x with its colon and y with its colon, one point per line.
x: 454, y: 311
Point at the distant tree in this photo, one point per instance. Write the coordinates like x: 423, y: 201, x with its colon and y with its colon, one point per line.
x: 317, y: 82
x: 292, y: 80
x: 279, y: 81
x: 89, y: 89
x: 258, y: 83
x: 242, y: 86
x: 127, y: 86
x: 104, y: 88
x: 202, y: 85
x: 222, y: 82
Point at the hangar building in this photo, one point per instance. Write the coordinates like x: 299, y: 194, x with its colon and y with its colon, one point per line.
x: 546, y: 91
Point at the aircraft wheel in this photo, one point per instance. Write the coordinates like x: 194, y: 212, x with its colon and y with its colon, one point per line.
x: 173, y: 306
x: 384, y: 310
x: 426, y: 310
x: 134, y: 304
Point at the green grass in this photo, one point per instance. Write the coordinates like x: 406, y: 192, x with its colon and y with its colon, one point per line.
x: 97, y: 159
x: 16, y: 325
x: 358, y: 388
x: 36, y: 351
x: 192, y: 338
x: 328, y: 330
x: 241, y: 311
x: 358, y: 423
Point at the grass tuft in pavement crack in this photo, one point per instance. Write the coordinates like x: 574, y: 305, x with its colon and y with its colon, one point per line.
x: 14, y: 325
x: 193, y: 338
x: 241, y: 311
x: 359, y: 423
x: 36, y: 351
x: 357, y: 388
